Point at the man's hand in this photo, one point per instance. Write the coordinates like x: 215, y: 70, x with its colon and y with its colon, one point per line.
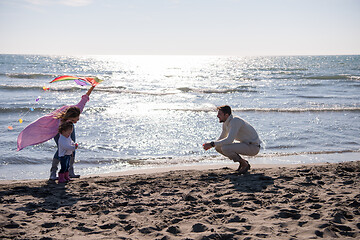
x: 207, y: 146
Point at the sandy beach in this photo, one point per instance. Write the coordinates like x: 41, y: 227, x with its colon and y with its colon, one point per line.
x: 293, y: 202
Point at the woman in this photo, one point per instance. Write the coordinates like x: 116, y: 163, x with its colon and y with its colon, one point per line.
x: 46, y: 127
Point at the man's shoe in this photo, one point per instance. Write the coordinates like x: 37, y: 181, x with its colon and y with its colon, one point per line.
x: 243, y: 170
x: 248, y: 164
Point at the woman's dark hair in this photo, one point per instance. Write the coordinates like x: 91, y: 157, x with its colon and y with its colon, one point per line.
x: 225, y: 109
x: 64, y: 126
x: 71, y: 112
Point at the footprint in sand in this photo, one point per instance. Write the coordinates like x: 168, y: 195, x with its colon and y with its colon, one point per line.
x: 108, y: 226
x: 173, y: 230
x: 12, y: 225
x: 237, y: 219
x: 199, y: 227
x: 288, y: 213
x: 49, y: 224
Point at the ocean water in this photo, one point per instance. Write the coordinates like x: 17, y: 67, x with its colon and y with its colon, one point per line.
x: 155, y: 111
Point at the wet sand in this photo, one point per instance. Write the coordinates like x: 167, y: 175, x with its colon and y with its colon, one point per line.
x: 293, y: 202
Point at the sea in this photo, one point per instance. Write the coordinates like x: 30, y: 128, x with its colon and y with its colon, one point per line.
x: 157, y: 111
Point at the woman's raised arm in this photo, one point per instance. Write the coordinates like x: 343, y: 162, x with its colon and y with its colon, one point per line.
x: 90, y: 90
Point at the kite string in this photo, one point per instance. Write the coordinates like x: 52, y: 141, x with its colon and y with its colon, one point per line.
x: 31, y: 109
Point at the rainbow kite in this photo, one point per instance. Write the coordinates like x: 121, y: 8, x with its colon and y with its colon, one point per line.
x: 93, y: 81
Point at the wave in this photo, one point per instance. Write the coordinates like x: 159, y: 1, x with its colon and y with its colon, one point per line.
x: 356, y: 78
x: 275, y: 69
x: 307, y: 153
x: 18, y: 87
x: 334, y: 77
x: 25, y: 160
x: 148, y: 160
x: 24, y: 109
x: 174, y: 91
x: 300, y: 110
x: 29, y: 75
x: 76, y: 88
x: 266, y: 110
x: 37, y: 87
x: 128, y: 91
x: 230, y: 90
x: 312, y: 97
x: 212, y: 109
x: 122, y: 89
x: 51, y: 76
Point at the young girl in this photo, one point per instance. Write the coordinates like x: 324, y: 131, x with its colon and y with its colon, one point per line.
x: 72, y: 114
x: 46, y: 127
x: 66, y: 147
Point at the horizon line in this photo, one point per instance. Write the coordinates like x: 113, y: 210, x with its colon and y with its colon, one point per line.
x: 214, y: 55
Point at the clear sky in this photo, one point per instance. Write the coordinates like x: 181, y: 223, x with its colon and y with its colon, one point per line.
x: 191, y: 27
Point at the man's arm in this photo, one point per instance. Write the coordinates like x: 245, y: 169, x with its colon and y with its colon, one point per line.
x: 234, y: 127
x: 209, y: 145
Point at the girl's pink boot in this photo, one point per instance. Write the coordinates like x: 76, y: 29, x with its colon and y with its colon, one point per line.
x: 62, y: 178
x: 66, y: 175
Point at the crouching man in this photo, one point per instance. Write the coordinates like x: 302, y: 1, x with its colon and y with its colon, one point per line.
x: 238, y: 138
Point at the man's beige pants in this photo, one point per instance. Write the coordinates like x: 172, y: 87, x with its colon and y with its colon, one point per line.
x: 234, y: 150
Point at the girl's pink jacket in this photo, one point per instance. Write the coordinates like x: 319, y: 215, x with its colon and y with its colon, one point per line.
x: 45, y: 128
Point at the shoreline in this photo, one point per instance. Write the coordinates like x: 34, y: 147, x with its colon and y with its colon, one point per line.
x: 177, y: 167
x: 19, y: 172
x: 284, y: 202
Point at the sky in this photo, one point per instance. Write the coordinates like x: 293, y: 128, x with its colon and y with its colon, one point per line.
x: 180, y: 27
